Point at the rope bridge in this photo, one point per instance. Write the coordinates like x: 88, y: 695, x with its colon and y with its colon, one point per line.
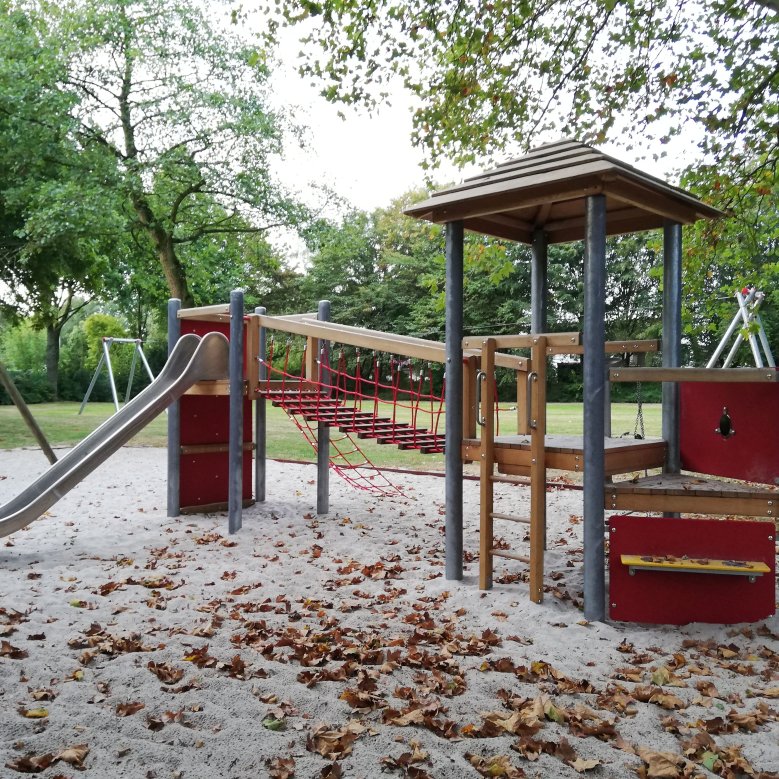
x: 370, y: 401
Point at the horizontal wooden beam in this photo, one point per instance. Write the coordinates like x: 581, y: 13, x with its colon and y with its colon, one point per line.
x: 712, y: 375
x: 216, y: 313
x: 521, y: 340
x: 612, y: 347
x: 216, y: 387
x: 377, y: 340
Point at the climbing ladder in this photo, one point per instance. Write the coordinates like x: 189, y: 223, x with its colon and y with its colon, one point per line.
x: 536, y: 424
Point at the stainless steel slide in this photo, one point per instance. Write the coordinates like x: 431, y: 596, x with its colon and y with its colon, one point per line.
x: 193, y: 359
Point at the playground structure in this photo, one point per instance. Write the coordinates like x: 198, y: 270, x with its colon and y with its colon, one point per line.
x: 558, y: 192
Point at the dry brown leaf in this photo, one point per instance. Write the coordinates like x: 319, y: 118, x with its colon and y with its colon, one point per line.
x: 495, y: 766
x: 31, y: 764
x: 661, y: 765
x: 580, y: 765
x: 128, y: 709
x: 281, y: 767
x: 74, y: 755
x: 334, y: 744
x: 12, y: 652
x: 165, y: 672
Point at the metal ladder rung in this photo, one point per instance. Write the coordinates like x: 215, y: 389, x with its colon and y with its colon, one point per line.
x: 500, y: 553
x: 510, y: 518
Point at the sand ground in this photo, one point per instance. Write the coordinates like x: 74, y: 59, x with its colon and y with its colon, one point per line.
x: 134, y: 645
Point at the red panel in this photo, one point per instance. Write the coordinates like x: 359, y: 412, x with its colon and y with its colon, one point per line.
x: 753, y: 452
x: 204, y: 479
x: 205, y: 420
x: 675, y: 598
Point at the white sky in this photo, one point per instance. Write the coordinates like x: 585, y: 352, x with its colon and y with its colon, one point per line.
x: 369, y: 159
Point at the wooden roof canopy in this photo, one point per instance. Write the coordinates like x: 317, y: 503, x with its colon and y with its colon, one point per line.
x: 547, y: 188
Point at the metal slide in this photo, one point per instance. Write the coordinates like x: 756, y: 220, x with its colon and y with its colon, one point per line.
x: 193, y: 359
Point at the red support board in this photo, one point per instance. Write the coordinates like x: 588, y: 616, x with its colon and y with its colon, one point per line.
x: 205, y: 423
x: 676, y: 598
x: 752, y: 453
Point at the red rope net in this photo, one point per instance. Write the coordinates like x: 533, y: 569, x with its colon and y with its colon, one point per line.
x: 384, y: 398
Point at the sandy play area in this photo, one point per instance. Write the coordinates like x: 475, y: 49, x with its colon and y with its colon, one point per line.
x: 132, y: 645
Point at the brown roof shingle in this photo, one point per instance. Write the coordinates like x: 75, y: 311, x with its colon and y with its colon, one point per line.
x: 548, y: 187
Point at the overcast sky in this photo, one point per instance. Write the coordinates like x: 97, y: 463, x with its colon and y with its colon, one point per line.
x: 368, y: 159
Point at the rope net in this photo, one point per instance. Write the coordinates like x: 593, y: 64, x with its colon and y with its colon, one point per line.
x: 385, y: 398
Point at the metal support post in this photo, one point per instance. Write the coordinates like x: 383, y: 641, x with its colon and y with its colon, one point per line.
x: 594, y: 424
x: 454, y: 400
x: 538, y: 281
x: 322, y: 430
x: 174, y: 418
x: 235, y: 441
x: 672, y: 339
x: 260, y: 419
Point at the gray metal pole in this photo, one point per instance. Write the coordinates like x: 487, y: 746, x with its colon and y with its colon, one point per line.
x: 454, y: 400
x: 538, y: 282
x: 322, y: 430
x: 672, y: 339
x: 260, y: 420
x: 174, y: 418
x: 594, y: 423
x: 235, y: 442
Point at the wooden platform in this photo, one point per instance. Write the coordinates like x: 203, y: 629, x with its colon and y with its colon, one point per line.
x: 692, y: 494
x: 566, y: 453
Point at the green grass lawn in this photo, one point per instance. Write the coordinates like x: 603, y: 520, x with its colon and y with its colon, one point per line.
x: 64, y: 427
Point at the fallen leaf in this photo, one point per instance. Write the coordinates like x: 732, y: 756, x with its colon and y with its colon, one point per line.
x: 74, y: 756
x: 128, y: 709
x: 33, y: 713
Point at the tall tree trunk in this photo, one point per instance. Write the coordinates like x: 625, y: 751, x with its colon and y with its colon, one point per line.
x: 166, y: 252
x: 53, y: 358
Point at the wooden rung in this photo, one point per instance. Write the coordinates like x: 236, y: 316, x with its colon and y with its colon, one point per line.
x: 694, y: 565
x: 510, y: 518
x: 510, y: 556
x: 189, y: 449
x: 522, y: 482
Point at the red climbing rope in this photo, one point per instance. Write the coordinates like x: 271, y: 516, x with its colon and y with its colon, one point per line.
x: 353, y: 402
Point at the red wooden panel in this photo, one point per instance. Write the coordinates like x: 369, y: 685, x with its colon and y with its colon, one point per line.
x: 676, y: 598
x: 753, y: 452
x: 205, y: 420
x: 204, y: 479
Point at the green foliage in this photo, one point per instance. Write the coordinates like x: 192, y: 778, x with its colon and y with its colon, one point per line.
x: 497, y: 75
x: 96, y: 328
x: 181, y: 109
x: 22, y: 348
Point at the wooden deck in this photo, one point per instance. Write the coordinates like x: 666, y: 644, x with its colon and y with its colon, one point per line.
x: 693, y: 494
x: 566, y: 453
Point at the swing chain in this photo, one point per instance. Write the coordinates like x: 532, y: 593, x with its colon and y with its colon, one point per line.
x: 638, y: 430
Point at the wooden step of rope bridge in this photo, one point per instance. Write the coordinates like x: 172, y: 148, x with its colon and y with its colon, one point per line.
x: 318, y: 407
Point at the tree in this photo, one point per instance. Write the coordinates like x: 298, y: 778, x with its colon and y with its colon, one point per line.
x: 180, y: 107
x: 53, y: 222
x: 499, y: 74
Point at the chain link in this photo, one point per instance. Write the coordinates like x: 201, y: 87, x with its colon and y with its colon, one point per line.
x: 638, y: 430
